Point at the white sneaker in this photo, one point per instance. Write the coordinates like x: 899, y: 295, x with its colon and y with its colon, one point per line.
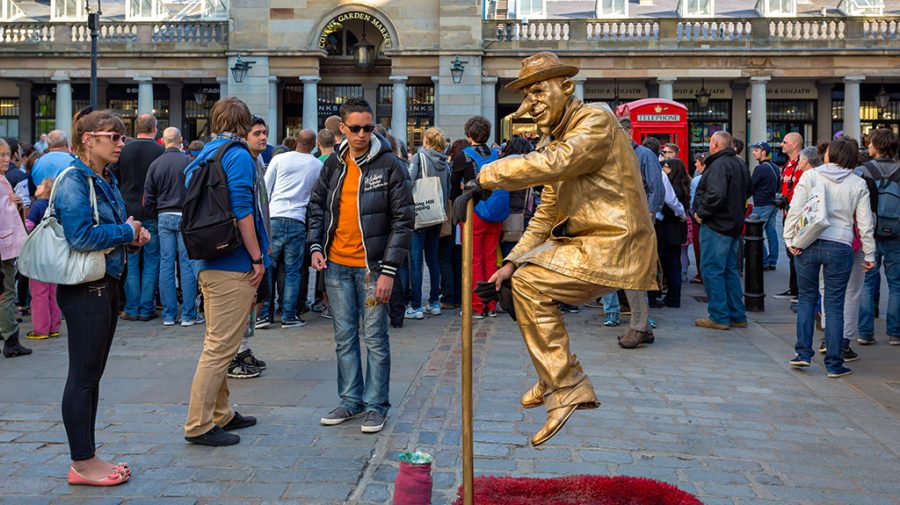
x: 169, y: 323
x: 414, y: 314
x: 433, y: 309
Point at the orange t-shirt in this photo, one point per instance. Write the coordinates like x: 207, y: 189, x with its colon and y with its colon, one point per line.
x: 347, y: 247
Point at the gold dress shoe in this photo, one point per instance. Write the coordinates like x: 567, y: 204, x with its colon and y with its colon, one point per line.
x: 555, y: 420
x: 534, y: 397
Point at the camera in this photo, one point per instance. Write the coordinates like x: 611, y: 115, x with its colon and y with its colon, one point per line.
x: 781, y: 202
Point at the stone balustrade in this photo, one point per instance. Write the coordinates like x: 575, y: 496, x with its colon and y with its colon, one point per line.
x: 154, y: 35
x: 675, y: 33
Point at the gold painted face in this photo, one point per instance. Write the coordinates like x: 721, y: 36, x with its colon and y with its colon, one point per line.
x: 548, y: 100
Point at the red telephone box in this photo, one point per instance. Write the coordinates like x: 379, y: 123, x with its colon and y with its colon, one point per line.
x: 663, y: 119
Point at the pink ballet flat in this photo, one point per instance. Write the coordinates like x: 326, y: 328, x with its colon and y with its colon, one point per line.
x: 113, y: 479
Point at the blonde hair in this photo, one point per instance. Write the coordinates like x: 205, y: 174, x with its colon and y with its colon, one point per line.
x: 48, y: 183
x: 435, y: 138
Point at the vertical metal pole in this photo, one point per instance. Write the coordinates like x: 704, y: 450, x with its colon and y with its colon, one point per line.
x: 94, y: 26
x: 466, y: 298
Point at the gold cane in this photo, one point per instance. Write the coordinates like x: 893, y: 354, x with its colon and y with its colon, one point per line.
x: 467, y: 438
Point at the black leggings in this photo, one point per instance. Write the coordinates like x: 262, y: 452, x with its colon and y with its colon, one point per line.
x: 91, y: 311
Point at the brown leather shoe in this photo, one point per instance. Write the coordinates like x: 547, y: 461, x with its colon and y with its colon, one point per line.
x: 739, y: 324
x: 709, y: 323
x: 633, y: 338
x: 555, y: 420
x: 648, y: 338
x: 534, y: 397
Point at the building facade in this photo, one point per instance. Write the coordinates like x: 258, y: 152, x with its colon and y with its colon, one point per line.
x: 757, y: 68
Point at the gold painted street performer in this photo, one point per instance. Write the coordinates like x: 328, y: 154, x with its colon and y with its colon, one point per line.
x: 590, y: 235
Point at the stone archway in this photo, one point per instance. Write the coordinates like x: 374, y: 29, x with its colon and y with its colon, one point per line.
x: 374, y: 19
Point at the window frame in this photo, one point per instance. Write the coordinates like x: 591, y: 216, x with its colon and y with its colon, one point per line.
x: 602, y: 14
x: 79, y: 14
x: 532, y: 14
x: 765, y: 8
x: 684, y: 9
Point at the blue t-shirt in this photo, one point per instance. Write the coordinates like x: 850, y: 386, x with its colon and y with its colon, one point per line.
x: 38, y: 208
x: 50, y: 165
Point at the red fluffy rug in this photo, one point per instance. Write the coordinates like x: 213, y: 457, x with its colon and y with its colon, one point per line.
x: 577, y: 490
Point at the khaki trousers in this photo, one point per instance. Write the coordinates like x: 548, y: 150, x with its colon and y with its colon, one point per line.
x: 640, y: 310
x: 228, y: 298
x: 537, y: 293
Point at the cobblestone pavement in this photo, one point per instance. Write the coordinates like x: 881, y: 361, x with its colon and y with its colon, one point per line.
x: 719, y: 414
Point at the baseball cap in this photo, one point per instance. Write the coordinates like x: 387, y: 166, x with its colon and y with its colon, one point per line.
x: 762, y: 145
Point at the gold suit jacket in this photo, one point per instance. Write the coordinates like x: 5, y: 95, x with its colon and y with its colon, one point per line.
x: 593, y: 222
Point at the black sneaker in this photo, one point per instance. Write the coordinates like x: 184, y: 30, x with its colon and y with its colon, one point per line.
x: 216, y: 437
x: 799, y: 362
x: 839, y: 372
x: 263, y: 323
x: 239, y: 422
x: 571, y: 309
x: 865, y: 340
x: 339, y: 415
x: 247, y: 358
x: 374, y: 422
x: 293, y: 323
x: 787, y: 295
x: 238, y: 370
x: 822, y: 348
x: 849, y: 354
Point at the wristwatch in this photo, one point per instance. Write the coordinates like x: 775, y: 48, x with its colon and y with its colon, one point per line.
x: 258, y: 261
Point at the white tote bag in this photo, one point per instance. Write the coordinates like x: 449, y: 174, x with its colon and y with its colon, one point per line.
x: 813, y: 217
x: 428, y: 196
x: 46, y: 255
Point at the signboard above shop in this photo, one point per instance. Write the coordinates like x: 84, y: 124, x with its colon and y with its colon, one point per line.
x: 687, y: 90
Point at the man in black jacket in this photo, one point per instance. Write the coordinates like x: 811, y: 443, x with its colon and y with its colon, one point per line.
x: 719, y: 207
x: 143, y: 265
x: 361, y: 217
x: 164, y: 194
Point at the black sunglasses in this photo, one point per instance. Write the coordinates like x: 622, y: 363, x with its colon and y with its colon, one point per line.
x: 355, y: 128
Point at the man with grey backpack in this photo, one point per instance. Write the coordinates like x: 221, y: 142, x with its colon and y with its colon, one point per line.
x: 431, y: 203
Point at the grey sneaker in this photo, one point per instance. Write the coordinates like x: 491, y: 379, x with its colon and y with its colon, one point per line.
x: 339, y: 415
x: 894, y: 340
x: 238, y: 370
x: 374, y: 422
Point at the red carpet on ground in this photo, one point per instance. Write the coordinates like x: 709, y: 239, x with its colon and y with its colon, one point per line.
x: 577, y: 490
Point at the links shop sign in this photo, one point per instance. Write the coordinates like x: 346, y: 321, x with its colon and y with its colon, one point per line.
x: 338, y: 22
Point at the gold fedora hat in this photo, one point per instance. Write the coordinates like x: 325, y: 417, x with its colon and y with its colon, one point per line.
x: 540, y: 67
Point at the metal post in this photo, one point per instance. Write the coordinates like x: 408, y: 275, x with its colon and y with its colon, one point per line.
x: 94, y: 26
x: 467, y: 437
x: 754, y: 291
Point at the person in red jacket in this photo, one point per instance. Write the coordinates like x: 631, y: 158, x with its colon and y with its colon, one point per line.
x: 791, y: 147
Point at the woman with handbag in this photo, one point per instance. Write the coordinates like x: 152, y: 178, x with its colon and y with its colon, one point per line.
x: 819, y: 234
x: 12, y: 237
x: 672, y: 231
x: 91, y: 307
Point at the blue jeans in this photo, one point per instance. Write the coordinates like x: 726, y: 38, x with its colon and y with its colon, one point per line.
x: 142, y: 278
x: 836, y: 261
x: 425, y: 240
x: 347, y: 292
x: 869, y: 297
x: 888, y: 254
x: 288, y: 245
x: 718, y: 262
x: 770, y: 253
x: 171, y: 248
x: 611, y: 304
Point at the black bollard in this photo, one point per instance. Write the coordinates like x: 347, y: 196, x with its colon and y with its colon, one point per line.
x: 754, y: 291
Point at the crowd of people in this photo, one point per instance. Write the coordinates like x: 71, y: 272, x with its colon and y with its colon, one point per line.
x: 368, y: 216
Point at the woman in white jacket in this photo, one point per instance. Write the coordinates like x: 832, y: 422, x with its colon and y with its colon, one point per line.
x: 846, y: 201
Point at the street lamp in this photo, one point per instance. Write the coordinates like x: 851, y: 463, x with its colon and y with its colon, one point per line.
x: 93, y: 12
x: 883, y: 98
x: 240, y: 69
x: 703, y: 95
x: 456, y: 70
x: 200, y: 97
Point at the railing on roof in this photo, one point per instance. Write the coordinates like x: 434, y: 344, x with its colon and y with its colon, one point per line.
x: 675, y: 33
x: 127, y: 35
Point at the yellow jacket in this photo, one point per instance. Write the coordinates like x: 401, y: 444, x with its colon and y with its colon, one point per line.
x: 592, y: 223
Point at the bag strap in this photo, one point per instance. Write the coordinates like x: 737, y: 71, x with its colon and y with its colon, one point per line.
x: 423, y: 165
x: 51, y: 208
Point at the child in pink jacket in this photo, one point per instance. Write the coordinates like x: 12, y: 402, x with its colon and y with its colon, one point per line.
x: 45, y: 314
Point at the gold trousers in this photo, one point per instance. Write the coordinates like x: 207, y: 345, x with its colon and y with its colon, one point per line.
x: 537, y: 293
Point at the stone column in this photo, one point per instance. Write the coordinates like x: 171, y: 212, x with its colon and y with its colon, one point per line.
x: 63, y: 104
x: 26, y: 115
x: 145, y: 95
x: 823, y: 113
x: 489, y: 104
x: 852, y: 128
x: 370, y: 94
x: 398, y: 108
x: 223, y: 86
x: 665, y: 87
x: 176, y: 105
x: 758, y: 109
x: 310, y: 101
x: 579, y: 86
x: 436, y: 79
x: 738, y: 126
x: 275, y: 133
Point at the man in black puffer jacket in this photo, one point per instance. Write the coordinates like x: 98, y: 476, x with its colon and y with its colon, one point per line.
x: 361, y: 217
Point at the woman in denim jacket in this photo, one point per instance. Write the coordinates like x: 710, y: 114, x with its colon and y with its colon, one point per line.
x: 91, y: 308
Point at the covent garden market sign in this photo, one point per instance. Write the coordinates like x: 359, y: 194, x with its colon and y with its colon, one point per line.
x: 338, y: 22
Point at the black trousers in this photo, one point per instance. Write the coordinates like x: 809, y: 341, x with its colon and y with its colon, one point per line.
x: 91, y: 311
x: 671, y: 265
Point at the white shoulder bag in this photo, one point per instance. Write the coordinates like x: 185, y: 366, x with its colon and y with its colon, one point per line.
x: 46, y: 255
x: 813, y: 217
x: 428, y: 196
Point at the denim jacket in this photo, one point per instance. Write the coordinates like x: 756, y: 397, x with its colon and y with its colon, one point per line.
x: 72, y: 201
